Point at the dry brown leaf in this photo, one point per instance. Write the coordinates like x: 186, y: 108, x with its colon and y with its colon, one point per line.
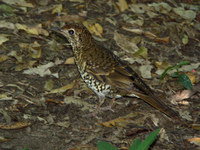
x: 62, y: 89
x: 70, y: 18
x: 18, y: 3
x: 136, y: 31
x: 195, y: 140
x: 122, y: 5
x: 196, y: 126
x: 8, y: 25
x: 125, y: 43
x: 17, y: 125
x: 146, y: 71
x: 179, y: 96
x: 53, y: 101
x: 191, y: 76
x: 3, y: 38
x: 3, y: 58
x: 121, y: 121
x: 57, y: 9
x: 113, y: 122
x: 85, y: 106
x: 37, y: 29
x: 41, y: 70
x: 94, y: 28
x: 161, y: 65
x: 35, y: 50
x: 147, y: 34
x: 70, y: 61
x: 164, y: 39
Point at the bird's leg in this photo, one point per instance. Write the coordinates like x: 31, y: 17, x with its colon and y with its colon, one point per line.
x: 99, y: 108
x: 109, y: 107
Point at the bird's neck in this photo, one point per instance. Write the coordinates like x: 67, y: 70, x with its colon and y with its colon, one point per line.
x: 83, y: 46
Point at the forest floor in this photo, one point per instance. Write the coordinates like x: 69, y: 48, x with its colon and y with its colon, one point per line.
x: 43, y: 101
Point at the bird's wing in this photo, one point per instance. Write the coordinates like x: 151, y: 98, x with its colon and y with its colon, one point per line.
x: 121, y: 76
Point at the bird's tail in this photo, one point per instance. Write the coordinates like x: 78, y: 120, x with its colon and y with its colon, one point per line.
x: 157, y: 104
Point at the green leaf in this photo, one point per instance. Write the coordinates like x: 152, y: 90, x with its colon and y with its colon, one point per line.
x: 174, y: 75
x: 105, y: 146
x: 185, y: 81
x: 183, y: 63
x: 135, y: 144
x: 165, y: 72
x: 148, y: 141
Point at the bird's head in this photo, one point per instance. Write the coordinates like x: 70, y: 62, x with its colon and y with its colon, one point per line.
x: 77, y: 34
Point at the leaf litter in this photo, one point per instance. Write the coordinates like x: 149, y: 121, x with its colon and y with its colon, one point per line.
x: 151, y: 36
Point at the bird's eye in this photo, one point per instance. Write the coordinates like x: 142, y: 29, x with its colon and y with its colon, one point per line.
x: 71, y: 32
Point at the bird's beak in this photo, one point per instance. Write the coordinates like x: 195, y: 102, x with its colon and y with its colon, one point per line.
x: 54, y: 29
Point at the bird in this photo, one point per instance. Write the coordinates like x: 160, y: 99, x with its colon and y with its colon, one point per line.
x: 104, y: 73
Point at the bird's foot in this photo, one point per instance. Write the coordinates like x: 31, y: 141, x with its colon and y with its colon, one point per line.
x: 100, y: 109
x: 107, y: 108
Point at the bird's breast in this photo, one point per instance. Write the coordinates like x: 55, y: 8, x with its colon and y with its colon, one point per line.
x: 100, y: 88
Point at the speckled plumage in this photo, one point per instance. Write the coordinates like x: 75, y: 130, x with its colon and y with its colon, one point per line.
x: 104, y: 73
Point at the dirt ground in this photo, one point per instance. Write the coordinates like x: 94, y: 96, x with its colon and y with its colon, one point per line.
x: 44, y: 104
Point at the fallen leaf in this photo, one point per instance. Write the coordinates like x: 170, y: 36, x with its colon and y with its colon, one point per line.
x: 25, y: 65
x: 62, y: 89
x: 125, y: 43
x: 19, y: 3
x: 146, y: 71
x: 49, y: 84
x: 79, y: 102
x: 186, y: 14
x: 114, y: 122
x: 143, y: 52
x: 16, y: 56
x: 41, y: 70
x: 17, y: 125
x: 121, y: 121
x: 3, y: 58
x: 195, y: 140
x: 58, y: 9
x: 164, y: 39
x: 185, y: 94
x: 3, y: 139
x: 122, y: 4
x: 8, y: 25
x: 64, y: 124
x: 26, y: 28
x: 3, y: 39
x: 162, y: 65
x: 191, y: 76
x: 70, y: 61
x: 93, y: 28
x: 161, y: 7
x: 36, y: 29
x: 189, y: 68
x: 185, y: 115
x: 35, y: 50
x: 53, y: 101
x: 70, y: 18
x: 147, y: 34
x: 185, y: 39
x: 196, y: 126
